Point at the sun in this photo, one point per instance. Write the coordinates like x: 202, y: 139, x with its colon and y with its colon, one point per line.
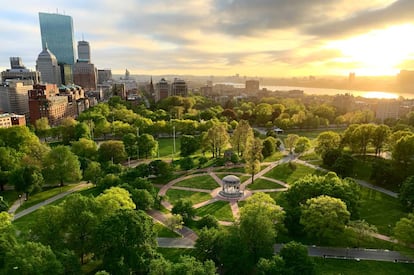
x: 378, y: 52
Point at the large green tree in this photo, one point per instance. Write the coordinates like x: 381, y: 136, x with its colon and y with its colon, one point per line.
x: 27, y: 179
x: 253, y: 155
x: 290, y: 142
x: 406, y: 195
x: 112, y: 150
x: 216, y: 139
x: 324, y: 217
x: 296, y: 259
x: 327, y: 141
x: 148, y: 146
x: 240, y: 135
x: 126, y: 242
x: 61, y: 165
x: 259, y: 219
x: 184, y: 207
x: 404, y: 229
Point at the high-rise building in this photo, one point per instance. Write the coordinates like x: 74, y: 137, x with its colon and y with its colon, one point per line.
x: 57, y: 33
x: 47, y: 65
x: 13, y: 96
x: 252, y: 86
x: 84, y: 51
x: 104, y: 75
x: 179, y: 88
x: 19, y: 71
x: 162, y: 89
x: 84, y: 72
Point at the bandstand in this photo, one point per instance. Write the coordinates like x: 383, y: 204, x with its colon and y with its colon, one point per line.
x: 231, y: 187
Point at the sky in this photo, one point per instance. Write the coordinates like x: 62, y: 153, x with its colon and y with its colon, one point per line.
x: 268, y: 38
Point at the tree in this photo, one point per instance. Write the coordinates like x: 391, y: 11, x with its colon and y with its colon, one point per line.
x: 9, y: 160
x: 130, y: 143
x: 187, y: 163
x: 126, y: 242
x: 148, y: 146
x: 27, y: 179
x: 174, y: 222
x: 302, y: 145
x: 207, y: 245
x: 290, y: 141
x: 324, y: 217
x: 208, y: 221
x: 160, y: 168
x: 189, y: 145
x: 185, y: 209
x: 344, y: 165
x: 216, y: 139
x: 49, y: 227
x: 272, y: 266
x: 93, y: 172
x: 32, y: 258
x: 406, y: 195
x: 85, y: 148
x: 327, y: 141
x: 112, y: 150
x: 403, y: 151
x: 269, y: 146
x: 189, y: 265
x: 114, y: 199
x: 42, y: 127
x: 67, y: 130
x: 380, y: 137
x: 263, y: 113
x: 81, y: 217
x: 258, y: 220
x: 61, y: 165
x: 240, y: 136
x: 404, y: 229
x: 362, y: 229
x: 253, y: 155
x: 362, y: 136
x: 296, y: 258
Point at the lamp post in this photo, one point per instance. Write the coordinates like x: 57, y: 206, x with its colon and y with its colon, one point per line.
x: 174, y: 140
x: 20, y: 199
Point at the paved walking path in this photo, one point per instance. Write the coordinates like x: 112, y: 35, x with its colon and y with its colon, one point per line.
x: 354, y: 253
x: 33, y: 208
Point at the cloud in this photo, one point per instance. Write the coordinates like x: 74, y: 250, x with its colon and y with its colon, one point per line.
x: 399, y: 12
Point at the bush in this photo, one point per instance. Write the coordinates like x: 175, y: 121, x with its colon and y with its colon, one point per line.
x: 208, y: 221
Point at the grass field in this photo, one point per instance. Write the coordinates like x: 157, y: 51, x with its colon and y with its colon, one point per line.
x: 166, y: 146
x: 380, y: 210
x: 275, y: 157
x: 220, y: 209
x: 164, y: 232
x: 288, y: 174
x: 42, y: 196
x: 351, y: 267
x: 195, y: 197
x: 201, y: 182
x: 263, y: 184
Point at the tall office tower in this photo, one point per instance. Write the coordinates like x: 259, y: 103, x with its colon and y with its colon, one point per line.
x: 162, y: 89
x: 57, y: 33
x: 19, y: 71
x: 179, y: 88
x: 84, y: 51
x: 84, y: 72
x: 47, y: 65
x: 13, y: 96
x: 104, y: 75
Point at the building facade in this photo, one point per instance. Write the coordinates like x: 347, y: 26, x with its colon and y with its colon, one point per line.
x: 84, y: 51
x: 179, y: 88
x: 57, y: 35
x: 19, y: 72
x: 84, y: 75
x: 104, y: 75
x: 162, y: 89
x: 13, y: 97
x: 48, y: 67
x: 8, y: 120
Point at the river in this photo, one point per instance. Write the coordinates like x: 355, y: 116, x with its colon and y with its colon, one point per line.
x: 326, y: 91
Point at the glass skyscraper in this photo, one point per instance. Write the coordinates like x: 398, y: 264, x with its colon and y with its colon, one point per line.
x: 57, y: 33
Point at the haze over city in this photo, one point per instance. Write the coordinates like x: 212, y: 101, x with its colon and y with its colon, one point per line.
x: 255, y: 38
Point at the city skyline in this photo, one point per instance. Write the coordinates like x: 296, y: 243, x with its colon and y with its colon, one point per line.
x: 255, y: 38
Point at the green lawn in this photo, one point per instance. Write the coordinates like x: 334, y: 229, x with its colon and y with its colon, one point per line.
x: 166, y: 146
x: 164, y: 232
x: 174, y: 254
x: 220, y: 209
x: 9, y: 196
x: 274, y: 157
x: 380, y: 210
x: 195, y: 197
x: 352, y: 267
x: 42, y: 196
x: 165, y: 180
x: 200, y: 182
x: 289, y: 175
x: 263, y: 184
x: 232, y: 169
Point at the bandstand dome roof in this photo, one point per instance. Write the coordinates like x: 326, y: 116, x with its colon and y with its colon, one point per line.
x: 231, y: 179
